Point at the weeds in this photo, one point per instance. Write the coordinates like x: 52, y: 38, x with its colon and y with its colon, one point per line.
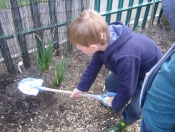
x: 59, y: 71
x: 45, y: 55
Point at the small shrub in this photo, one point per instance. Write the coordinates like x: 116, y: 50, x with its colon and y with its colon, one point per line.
x: 45, y: 55
x: 59, y: 71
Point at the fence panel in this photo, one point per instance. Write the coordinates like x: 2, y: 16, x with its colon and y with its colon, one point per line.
x: 22, y: 20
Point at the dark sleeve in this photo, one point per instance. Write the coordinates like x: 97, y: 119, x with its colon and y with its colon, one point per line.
x: 127, y: 72
x: 90, y: 74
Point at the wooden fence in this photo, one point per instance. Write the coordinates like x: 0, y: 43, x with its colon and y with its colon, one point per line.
x: 20, y: 24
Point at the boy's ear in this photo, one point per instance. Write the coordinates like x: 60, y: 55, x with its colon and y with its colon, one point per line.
x: 94, y: 46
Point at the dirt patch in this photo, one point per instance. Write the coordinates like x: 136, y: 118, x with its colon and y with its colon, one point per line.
x: 53, y: 112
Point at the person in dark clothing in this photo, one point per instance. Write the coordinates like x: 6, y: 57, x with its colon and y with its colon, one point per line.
x: 127, y: 55
x: 157, y: 98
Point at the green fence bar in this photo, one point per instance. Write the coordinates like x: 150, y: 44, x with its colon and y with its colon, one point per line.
x: 34, y: 30
x: 137, y: 15
x: 128, y: 17
x: 97, y: 5
x: 146, y: 14
x: 119, y: 14
x: 155, y: 9
x: 108, y: 8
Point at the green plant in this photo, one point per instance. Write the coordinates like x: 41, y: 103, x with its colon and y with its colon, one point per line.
x: 59, y: 71
x: 4, y: 4
x: 44, y: 55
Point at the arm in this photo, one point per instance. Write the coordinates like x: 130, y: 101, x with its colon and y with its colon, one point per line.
x: 89, y: 75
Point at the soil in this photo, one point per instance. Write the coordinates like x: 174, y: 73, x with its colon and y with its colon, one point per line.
x: 55, y: 112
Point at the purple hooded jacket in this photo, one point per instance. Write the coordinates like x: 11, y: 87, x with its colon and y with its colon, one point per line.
x: 129, y: 55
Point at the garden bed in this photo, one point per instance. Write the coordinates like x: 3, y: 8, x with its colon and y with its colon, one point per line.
x: 53, y: 112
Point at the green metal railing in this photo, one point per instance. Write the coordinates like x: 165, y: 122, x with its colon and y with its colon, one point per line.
x: 121, y: 8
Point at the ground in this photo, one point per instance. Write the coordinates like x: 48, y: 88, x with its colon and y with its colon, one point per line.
x: 55, y: 112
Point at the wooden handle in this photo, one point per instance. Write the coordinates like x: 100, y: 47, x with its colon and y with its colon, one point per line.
x: 66, y: 92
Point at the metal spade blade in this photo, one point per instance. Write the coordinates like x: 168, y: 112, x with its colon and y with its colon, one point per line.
x: 31, y: 86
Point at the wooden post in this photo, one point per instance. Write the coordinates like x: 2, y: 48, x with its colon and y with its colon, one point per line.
x: 36, y: 22
x: 6, y: 53
x: 82, y: 5
x: 18, y: 29
x: 53, y: 20
x: 68, y: 4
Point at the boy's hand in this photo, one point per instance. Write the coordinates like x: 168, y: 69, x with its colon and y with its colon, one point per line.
x: 106, y: 98
x: 107, y: 101
x: 76, y: 93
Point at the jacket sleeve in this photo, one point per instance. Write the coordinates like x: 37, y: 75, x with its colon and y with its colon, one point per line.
x: 90, y: 74
x: 127, y: 68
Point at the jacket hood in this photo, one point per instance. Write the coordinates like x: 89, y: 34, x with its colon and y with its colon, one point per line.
x: 119, y: 34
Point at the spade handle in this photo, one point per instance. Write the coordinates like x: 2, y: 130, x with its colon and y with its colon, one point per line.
x: 66, y: 92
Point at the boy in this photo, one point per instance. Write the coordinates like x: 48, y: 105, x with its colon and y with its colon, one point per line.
x: 128, y: 55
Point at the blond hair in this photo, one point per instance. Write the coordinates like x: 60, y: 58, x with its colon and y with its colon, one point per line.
x: 88, y: 28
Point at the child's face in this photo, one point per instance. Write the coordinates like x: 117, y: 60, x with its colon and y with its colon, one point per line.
x: 87, y: 50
